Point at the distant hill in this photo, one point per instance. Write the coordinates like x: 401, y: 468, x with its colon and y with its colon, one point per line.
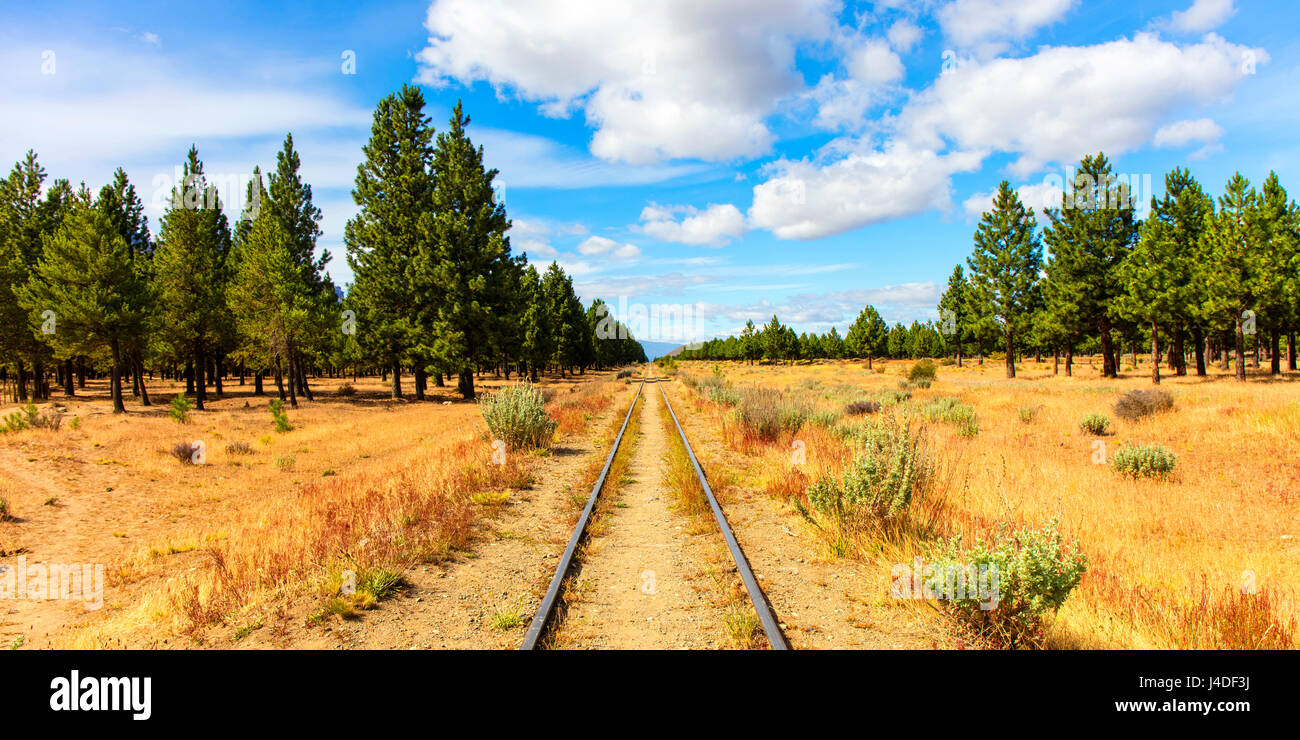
x: 659, y: 349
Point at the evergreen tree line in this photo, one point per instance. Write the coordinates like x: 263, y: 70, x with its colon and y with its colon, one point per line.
x: 868, y: 338
x: 1196, y: 281
x: 87, y: 290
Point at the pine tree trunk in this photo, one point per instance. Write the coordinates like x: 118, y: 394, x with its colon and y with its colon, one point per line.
x: 257, y: 383
x: 22, y: 381
x: 279, y: 380
x: 218, y: 369
x: 115, y: 385
x: 419, y: 383
x: 1107, y: 352
x: 200, y: 379
x: 465, y: 384
x: 1056, y: 361
x: 1011, y: 354
x: 1241, y: 351
x: 1275, y: 352
x: 1155, y: 353
x: 68, y: 387
x: 138, y: 364
x: 1069, y: 361
x: 1291, y: 351
x: 397, y: 380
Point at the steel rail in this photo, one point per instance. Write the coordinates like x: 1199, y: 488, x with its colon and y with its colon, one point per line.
x: 542, y: 617
x: 764, y: 610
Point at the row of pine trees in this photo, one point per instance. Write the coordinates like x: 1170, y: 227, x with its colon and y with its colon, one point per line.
x: 868, y: 338
x: 1195, y: 280
x: 86, y: 289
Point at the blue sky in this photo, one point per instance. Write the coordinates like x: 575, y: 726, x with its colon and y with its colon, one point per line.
x: 735, y: 157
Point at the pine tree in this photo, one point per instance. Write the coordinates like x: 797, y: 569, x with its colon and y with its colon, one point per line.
x: 272, y: 303
x: 537, y: 332
x: 1089, y: 237
x: 867, y: 336
x: 1158, y: 275
x: 87, y: 277
x: 394, y: 189
x: 952, y: 307
x: 1278, y: 239
x: 1005, y: 265
x: 464, y: 258
x: 190, y: 263
x: 289, y: 200
x: 119, y: 203
x: 1232, y: 280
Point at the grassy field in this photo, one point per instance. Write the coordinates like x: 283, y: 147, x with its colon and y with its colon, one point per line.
x: 1205, y: 556
x: 276, y: 529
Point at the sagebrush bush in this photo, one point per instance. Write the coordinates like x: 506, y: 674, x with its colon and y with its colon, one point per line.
x: 948, y: 409
x: 1035, y: 574
x: 1027, y: 414
x: 1149, y: 461
x: 517, y: 415
x: 629, y: 372
x: 881, y: 480
x: 825, y: 419
x: 858, y: 408
x: 239, y: 448
x: 1137, y: 404
x: 1095, y: 424
x: 891, y: 397
x: 5, y: 513
x: 346, y: 390
x: 184, y: 451
x: 923, y: 372
x: 722, y: 394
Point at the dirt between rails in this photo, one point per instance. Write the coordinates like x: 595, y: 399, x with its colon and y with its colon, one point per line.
x: 645, y: 580
x: 820, y: 604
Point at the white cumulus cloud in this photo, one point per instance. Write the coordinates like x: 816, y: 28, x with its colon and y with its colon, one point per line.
x: 714, y: 226
x: 661, y: 80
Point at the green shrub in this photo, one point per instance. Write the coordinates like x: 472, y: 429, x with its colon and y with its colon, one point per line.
x: 180, y: 410
x: 891, y: 397
x: 948, y: 409
x: 346, y: 390
x: 1095, y: 424
x: 1150, y: 461
x: 30, y: 417
x: 1137, y: 404
x: 882, y: 479
x: 280, y: 416
x: 517, y: 415
x: 825, y: 419
x: 239, y: 448
x: 968, y: 428
x: 923, y: 373
x: 722, y: 394
x: 1028, y: 414
x: 5, y: 513
x: 1035, y: 574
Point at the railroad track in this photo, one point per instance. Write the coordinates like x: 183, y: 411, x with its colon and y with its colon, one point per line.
x: 544, y: 619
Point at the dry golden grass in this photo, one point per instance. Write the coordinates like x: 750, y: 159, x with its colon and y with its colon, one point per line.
x: 1172, y: 563
x: 362, y: 484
